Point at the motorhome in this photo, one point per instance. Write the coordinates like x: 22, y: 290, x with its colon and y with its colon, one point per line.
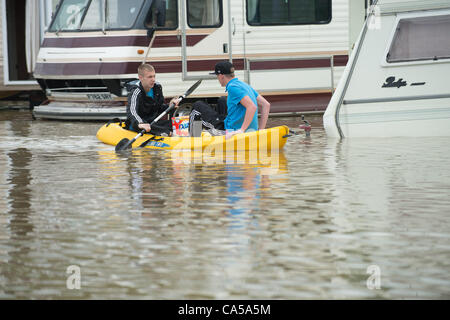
x: 292, y: 52
x: 396, y: 81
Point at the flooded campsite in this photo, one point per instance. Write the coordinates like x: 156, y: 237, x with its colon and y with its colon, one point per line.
x: 317, y: 221
x: 224, y: 150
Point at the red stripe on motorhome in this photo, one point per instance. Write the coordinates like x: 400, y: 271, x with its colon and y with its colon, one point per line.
x: 338, y: 60
x: 306, y: 102
x: 121, y: 41
x: 112, y: 68
x: 116, y: 68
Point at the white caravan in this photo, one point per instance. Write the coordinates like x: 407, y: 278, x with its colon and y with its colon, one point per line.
x: 396, y: 82
x: 291, y: 51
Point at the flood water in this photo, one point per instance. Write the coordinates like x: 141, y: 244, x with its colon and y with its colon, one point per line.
x: 324, y: 219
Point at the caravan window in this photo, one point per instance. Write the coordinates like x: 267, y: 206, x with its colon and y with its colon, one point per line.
x: 162, y: 14
x: 282, y: 12
x: 204, y: 13
x: 95, y: 15
x: 121, y: 14
x: 424, y: 38
x: 93, y: 20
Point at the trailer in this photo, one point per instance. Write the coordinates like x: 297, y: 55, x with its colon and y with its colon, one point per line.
x: 395, y: 84
x: 291, y: 52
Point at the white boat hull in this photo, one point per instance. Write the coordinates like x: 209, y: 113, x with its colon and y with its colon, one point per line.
x: 67, y: 111
x: 417, y: 118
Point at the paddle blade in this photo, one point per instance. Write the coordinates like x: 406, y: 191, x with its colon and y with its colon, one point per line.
x: 123, y: 145
x: 126, y: 144
x: 191, y: 89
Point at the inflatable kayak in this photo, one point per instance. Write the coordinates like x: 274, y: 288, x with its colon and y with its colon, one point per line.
x: 271, y: 139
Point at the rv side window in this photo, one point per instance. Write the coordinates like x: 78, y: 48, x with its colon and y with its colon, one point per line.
x: 122, y: 14
x: 204, y: 13
x: 283, y: 12
x: 424, y: 38
x: 162, y: 14
x: 93, y: 20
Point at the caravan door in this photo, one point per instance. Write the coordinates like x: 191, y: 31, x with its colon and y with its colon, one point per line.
x: 291, y: 50
x: 204, y: 37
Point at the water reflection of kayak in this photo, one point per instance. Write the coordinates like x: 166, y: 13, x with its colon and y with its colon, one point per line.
x: 262, y: 140
x: 272, y: 159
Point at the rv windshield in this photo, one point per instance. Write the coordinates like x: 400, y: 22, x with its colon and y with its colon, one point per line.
x: 95, y: 15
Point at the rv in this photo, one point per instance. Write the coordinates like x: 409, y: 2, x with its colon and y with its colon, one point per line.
x: 396, y: 81
x: 292, y: 52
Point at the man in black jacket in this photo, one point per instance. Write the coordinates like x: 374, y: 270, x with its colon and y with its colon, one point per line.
x: 146, y: 102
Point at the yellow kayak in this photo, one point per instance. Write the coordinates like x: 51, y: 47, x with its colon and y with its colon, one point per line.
x: 271, y: 139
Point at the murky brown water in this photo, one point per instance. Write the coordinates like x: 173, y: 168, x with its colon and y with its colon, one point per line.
x: 323, y: 220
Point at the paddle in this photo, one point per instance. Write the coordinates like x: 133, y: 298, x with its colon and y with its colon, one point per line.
x: 150, y: 35
x: 125, y: 144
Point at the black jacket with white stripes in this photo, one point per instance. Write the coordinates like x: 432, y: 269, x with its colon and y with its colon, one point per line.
x: 142, y: 108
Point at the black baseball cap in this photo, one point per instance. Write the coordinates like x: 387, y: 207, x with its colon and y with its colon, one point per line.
x: 223, y: 67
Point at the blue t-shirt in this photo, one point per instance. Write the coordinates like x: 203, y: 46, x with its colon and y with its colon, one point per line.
x: 150, y: 93
x: 237, y: 90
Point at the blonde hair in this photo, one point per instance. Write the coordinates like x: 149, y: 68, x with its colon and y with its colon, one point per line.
x: 145, y: 67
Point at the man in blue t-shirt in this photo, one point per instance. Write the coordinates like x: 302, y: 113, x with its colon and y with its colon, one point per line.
x: 241, y: 105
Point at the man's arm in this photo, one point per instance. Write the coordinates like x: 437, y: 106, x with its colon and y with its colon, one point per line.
x: 251, y: 108
x: 264, y: 108
x: 133, y: 101
x: 132, y: 109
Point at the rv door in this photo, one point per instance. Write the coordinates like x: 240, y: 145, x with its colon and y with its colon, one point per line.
x: 204, y: 33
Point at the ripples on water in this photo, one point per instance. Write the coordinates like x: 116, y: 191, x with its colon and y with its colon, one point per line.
x: 304, y: 224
